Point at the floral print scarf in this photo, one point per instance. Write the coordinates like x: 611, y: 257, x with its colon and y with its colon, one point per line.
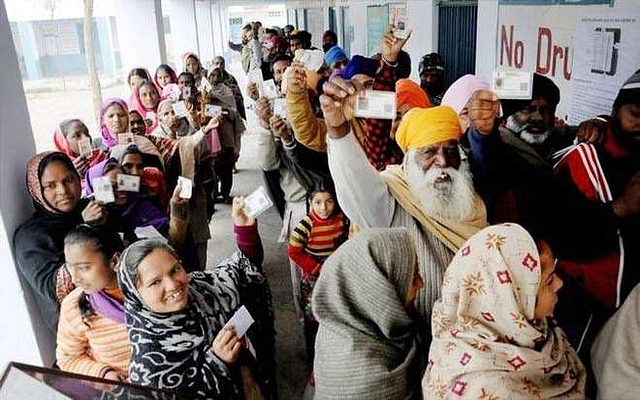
x: 485, y: 341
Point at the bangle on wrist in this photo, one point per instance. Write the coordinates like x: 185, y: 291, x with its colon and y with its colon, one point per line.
x: 389, y: 63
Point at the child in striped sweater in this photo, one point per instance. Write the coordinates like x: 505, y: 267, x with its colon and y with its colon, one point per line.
x: 315, y: 238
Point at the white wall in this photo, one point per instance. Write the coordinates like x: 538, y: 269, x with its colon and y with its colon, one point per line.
x: 140, y: 45
x: 184, y: 36
x: 422, y: 19
x: 18, y: 339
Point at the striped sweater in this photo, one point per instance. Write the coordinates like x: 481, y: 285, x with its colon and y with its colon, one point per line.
x: 315, y: 239
x: 90, y: 350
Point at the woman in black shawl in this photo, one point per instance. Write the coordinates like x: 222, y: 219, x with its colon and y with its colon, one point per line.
x: 54, y: 186
x: 177, y: 321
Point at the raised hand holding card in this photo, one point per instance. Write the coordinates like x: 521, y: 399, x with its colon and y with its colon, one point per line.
x: 103, y: 190
x: 128, y: 183
x: 257, y: 202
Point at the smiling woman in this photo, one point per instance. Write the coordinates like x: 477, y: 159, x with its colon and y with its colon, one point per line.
x: 183, y: 318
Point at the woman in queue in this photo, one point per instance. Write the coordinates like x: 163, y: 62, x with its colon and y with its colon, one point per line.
x: 66, y: 139
x: 145, y: 100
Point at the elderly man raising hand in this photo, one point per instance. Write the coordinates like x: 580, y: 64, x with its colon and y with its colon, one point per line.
x: 431, y: 193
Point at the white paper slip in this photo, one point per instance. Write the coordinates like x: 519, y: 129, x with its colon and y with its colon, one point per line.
x: 255, y: 76
x: 103, y: 190
x: 280, y: 107
x: 241, y: 321
x: 179, y: 109
x: 186, y: 92
x: 126, y: 139
x: 257, y: 202
x: 151, y: 116
x: 270, y: 90
x: 398, y: 18
x: 148, y: 232
x: 211, y: 110
x: 205, y: 86
x: 376, y: 104
x: 128, y: 183
x: 84, y: 147
x: 312, y: 59
x: 512, y: 85
x: 186, y: 187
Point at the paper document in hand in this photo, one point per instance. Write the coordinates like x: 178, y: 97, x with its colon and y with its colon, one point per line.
x: 84, y: 147
x: 186, y: 187
x: 128, y: 183
x: 512, y: 85
x: 180, y: 109
x: 211, y: 110
x: 280, y: 108
x: 376, y: 104
x: 257, y: 202
x: 241, y: 321
x: 103, y: 190
x: 148, y: 232
x: 126, y: 139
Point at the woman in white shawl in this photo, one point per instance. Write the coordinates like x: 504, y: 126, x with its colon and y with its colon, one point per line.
x: 368, y: 344
x: 492, y: 335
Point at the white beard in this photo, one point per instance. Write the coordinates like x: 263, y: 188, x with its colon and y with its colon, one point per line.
x: 452, y: 200
x: 525, y: 135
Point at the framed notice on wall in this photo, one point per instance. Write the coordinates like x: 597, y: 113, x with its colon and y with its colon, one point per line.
x: 377, y: 25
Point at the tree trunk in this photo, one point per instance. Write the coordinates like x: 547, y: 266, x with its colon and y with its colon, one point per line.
x: 92, y: 71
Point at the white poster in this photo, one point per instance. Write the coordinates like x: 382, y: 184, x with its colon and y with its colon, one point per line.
x: 539, y: 38
x: 607, y: 53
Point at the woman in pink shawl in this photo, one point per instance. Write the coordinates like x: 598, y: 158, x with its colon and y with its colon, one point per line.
x: 114, y: 120
x: 193, y: 65
x: 66, y: 138
x: 164, y: 76
x: 145, y: 100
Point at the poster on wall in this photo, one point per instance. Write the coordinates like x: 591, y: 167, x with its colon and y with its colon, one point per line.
x: 540, y: 39
x: 607, y: 52
x: 377, y: 25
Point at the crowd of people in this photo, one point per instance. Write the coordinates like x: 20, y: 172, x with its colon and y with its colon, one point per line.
x: 470, y: 247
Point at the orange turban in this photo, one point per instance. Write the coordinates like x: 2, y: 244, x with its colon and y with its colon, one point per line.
x: 422, y: 127
x: 409, y: 93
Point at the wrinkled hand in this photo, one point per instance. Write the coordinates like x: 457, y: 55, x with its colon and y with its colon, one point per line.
x: 592, y: 131
x: 337, y: 104
x: 629, y: 203
x: 252, y: 91
x: 281, y: 129
x: 296, y: 78
x: 483, y: 109
x: 213, y: 123
x: 240, y: 217
x: 94, y: 213
x: 227, y: 345
x: 175, y: 197
x: 263, y: 109
x: 82, y: 164
x: 391, y: 46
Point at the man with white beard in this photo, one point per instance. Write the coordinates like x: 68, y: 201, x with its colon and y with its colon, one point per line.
x: 430, y: 194
x: 512, y: 162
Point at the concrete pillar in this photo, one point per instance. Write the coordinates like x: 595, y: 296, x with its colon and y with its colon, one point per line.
x: 105, y: 44
x: 29, y: 49
x: 184, y: 36
x: 423, y: 19
x: 23, y: 336
x: 486, y: 38
x: 204, y: 17
x: 140, y: 33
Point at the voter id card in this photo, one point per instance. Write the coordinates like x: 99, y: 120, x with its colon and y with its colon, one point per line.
x: 186, y: 187
x: 179, y: 109
x: 205, y: 86
x: 241, y: 321
x: 211, y: 110
x: 269, y: 89
x: 512, y: 85
x: 280, y: 107
x: 103, y: 191
x: 257, y: 202
x: 186, y: 92
x: 126, y: 139
x: 84, y: 147
x: 255, y: 76
x: 128, y: 183
x: 376, y: 104
x: 148, y: 232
